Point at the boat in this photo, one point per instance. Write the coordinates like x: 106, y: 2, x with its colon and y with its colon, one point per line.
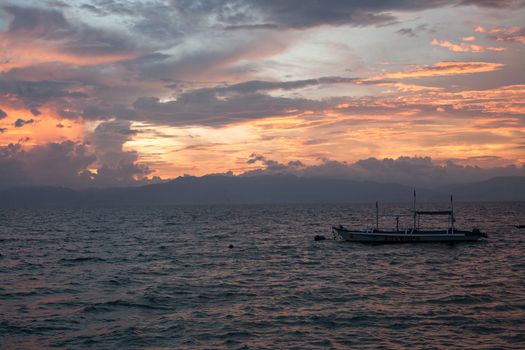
x: 413, y: 234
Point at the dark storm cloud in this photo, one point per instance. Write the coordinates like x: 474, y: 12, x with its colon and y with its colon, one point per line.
x: 260, y: 85
x: 33, y: 94
x: 226, y: 104
x: 38, y: 91
x: 31, y: 23
x: 202, y: 108
x: 172, y: 20
x: 494, y: 3
x: 412, y: 171
x: 300, y: 14
x: 37, y: 23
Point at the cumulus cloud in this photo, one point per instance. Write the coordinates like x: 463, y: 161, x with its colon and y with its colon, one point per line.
x: 59, y: 164
x: 99, y: 162
x: 116, y: 166
x: 271, y: 166
x: 411, y: 171
x: 2, y: 114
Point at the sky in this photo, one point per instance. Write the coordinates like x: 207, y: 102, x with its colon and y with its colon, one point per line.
x: 101, y: 93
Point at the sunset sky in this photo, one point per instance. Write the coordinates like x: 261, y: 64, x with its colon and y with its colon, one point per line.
x: 114, y: 92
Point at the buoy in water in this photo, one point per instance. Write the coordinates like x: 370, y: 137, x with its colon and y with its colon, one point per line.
x: 230, y: 246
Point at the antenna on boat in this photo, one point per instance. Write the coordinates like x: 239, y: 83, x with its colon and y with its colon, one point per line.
x: 377, y: 216
x: 452, y: 212
x: 414, y: 209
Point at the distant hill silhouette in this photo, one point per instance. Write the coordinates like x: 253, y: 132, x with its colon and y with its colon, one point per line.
x: 215, y: 189
x: 505, y: 188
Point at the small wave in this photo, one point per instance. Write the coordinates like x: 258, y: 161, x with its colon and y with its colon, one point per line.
x: 7, y: 327
x: 82, y: 259
x: 518, y: 267
x: 118, y: 303
x: 236, y: 335
x: 462, y: 299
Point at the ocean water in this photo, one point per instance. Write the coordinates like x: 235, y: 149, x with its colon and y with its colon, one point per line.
x: 165, y: 278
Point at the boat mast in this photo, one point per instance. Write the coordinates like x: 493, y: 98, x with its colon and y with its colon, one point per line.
x: 377, y: 216
x: 414, y: 210
x: 452, y: 213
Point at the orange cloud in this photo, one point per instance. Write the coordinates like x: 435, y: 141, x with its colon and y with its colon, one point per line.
x: 443, y: 68
x: 47, y: 127
x: 505, y: 100
x: 463, y: 47
x: 480, y: 29
x: 18, y: 55
x: 510, y: 34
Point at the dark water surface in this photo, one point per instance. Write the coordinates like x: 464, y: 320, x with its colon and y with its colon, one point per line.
x: 164, y: 278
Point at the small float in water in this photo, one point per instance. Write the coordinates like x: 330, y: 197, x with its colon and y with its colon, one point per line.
x: 412, y: 234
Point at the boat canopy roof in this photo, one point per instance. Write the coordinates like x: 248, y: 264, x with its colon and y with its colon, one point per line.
x: 434, y: 212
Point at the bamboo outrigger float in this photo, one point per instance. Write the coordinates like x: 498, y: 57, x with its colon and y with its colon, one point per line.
x: 413, y: 234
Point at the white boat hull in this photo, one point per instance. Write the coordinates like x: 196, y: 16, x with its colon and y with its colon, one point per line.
x: 377, y: 236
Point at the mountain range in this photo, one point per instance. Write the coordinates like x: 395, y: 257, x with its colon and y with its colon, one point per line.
x: 219, y: 189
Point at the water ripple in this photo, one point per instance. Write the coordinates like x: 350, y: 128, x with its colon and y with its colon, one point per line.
x: 165, y: 278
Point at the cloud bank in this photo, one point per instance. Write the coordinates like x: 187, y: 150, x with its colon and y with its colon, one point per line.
x: 122, y: 91
x: 410, y: 171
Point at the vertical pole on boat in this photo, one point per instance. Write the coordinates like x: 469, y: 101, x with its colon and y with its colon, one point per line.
x: 377, y: 216
x: 414, y: 228
x: 452, y: 213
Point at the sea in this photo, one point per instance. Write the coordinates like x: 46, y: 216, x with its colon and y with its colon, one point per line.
x: 253, y: 277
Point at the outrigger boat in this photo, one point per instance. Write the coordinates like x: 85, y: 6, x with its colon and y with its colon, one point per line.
x: 413, y: 234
